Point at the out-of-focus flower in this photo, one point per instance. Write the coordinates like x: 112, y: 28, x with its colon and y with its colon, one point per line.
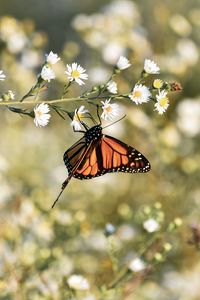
x: 123, y: 63
x: 112, y: 87
x: 97, y: 241
x: 16, y: 42
x: 189, y: 117
x: 124, y: 9
x: 170, y: 136
x: 151, y: 225
x: 47, y: 74
x: 167, y: 247
x: 82, y: 22
x: 109, y: 229
x: 150, y: 67
x: 119, y: 19
x: 98, y: 75
x: 2, y: 75
x: 137, y: 265
x: 178, y: 222
x: 158, y: 256
x: 110, y: 110
x: 8, y: 96
x: 112, y: 51
x: 162, y: 102
x: 158, y: 83
x: 31, y: 58
x: 126, y: 232
x: 188, y: 51
x: 41, y: 115
x: 78, y: 116
x: 78, y: 282
x: 180, y: 25
x: 76, y: 73
x: 89, y: 297
x: 140, y: 94
x: 52, y: 58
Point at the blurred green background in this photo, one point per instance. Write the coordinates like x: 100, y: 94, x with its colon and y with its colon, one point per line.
x: 40, y: 247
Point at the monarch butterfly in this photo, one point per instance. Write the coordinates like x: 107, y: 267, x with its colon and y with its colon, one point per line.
x: 96, y: 154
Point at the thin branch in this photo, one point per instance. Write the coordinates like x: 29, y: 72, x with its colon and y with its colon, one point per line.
x: 5, y: 103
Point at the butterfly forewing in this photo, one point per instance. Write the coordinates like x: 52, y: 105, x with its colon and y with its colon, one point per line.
x: 73, y: 155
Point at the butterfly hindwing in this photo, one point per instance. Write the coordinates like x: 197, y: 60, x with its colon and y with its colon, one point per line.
x: 126, y: 158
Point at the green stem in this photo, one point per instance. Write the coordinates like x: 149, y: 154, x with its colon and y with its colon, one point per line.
x: 118, y: 280
x: 117, y: 97
x: 66, y: 88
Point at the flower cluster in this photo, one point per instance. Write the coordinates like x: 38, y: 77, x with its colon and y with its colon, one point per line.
x: 116, y: 19
x: 47, y: 73
x: 141, y: 93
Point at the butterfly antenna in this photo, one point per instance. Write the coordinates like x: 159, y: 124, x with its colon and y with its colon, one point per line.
x: 115, y: 122
x: 65, y: 183
x: 91, y: 117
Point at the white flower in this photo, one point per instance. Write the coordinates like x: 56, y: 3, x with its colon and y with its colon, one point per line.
x: 47, y: 74
x: 112, y: 87
x: 76, y: 73
x: 151, y: 225
x: 136, y: 265
x: 11, y: 95
x: 123, y: 63
x: 110, y: 111
x: 78, y: 115
x: 140, y: 94
x: 2, y: 75
x: 162, y: 102
x: 52, y: 58
x: 151, y: 67
x: 157, y: 83
x: 41, y: 115
x: 78, y: 282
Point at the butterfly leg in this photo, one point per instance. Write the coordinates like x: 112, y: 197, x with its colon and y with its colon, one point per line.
x: 65, y: 183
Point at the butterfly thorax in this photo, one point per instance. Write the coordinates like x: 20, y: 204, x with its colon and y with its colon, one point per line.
x: 93, y: 133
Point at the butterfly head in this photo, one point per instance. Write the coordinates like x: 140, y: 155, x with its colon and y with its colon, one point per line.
x: 93, y: 133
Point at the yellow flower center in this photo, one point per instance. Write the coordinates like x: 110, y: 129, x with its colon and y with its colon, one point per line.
x: 157, y: 83
x: 78, y: 116
x: 137, y: 94
x: 163, y: 101
x: 75, y: 74
x: 108, y: 109
x: 39, y: 113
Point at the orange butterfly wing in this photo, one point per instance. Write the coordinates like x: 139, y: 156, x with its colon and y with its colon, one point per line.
x: 96, y: 154
x: 108, y: 155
